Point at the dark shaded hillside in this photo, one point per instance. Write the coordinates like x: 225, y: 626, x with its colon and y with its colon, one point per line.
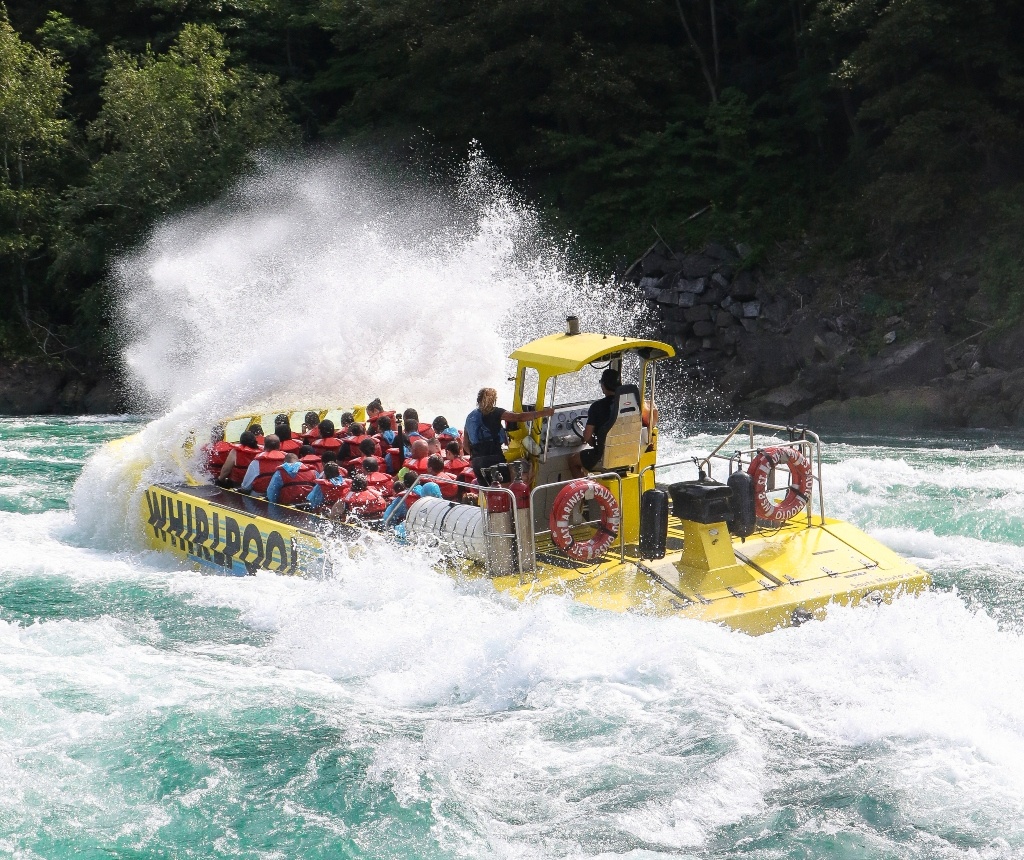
x: 847, y: 130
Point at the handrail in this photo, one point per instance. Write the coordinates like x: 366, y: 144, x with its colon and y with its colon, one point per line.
x: 810, y: 443
x: 535, y: 490
x: 477, y: 488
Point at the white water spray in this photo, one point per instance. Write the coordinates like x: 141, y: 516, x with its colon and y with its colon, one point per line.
x: 321, y: 282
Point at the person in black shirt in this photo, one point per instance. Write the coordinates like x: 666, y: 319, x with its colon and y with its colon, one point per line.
x: 598, y: 417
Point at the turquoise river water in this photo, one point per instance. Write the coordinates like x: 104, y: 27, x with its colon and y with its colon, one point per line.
x: 149, y: 711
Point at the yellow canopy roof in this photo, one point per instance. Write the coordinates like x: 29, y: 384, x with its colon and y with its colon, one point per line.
x: 563, y: 353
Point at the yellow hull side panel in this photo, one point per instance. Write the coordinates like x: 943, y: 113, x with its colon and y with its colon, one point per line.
x: 795, y: 569
x: 226, y: 540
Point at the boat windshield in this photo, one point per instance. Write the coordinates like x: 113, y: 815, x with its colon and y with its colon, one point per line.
x: 584, y: 385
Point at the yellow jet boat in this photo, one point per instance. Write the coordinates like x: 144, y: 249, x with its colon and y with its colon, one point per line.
x: 745, y: 543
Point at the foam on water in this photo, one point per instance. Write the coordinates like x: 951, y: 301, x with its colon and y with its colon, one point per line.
x: 538, y: 730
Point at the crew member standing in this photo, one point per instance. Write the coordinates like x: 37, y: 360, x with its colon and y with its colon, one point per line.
x: 485, y: 433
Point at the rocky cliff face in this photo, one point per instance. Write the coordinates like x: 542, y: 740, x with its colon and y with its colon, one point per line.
x: 44, y: 388
x: 830, y: 351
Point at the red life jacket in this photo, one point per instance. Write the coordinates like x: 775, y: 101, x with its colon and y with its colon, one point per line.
x: 313, y: 461
x: 353, y: 465
x: 456, y: 464
x: 243, y: 457
x: 310, y: 435
x: 383, y: 446
x: 372, y: 422
x: 216, y: 454
x: 411, y: 499
x: 368, y: 504
x: 418, y: 466
x: 353, y: 443
x: 295, y: 488
x: 468, y: 476
x: 382, y: 482
x: 269, y: 462
x: 396, y: 460
x: 333, y: 493
x: 444, y: 484
x: 320, y: 446
x: 291, y: 446
x: 426, y: 431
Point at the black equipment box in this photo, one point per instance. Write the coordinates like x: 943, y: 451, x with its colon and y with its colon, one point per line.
x: 701, y: 501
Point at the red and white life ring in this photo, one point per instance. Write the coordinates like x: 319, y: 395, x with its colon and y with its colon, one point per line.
x: 569, y: 497
x: 799, y: 492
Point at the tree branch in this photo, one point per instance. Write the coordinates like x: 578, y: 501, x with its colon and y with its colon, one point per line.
x: 700, y: 54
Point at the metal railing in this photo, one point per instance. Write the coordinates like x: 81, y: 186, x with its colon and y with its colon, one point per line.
x: 535, y: 490
x: 476, y: 488
x: 808, y: 444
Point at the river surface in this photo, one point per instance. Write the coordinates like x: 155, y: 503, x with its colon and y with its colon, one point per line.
x: 150, y: 711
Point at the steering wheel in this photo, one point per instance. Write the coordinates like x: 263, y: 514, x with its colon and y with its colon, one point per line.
x: 579, y: 425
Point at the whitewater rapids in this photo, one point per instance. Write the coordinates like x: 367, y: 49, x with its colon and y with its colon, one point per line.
x: 392, y: 711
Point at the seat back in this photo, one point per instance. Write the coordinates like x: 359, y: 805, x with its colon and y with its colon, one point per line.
x: 625, y: 430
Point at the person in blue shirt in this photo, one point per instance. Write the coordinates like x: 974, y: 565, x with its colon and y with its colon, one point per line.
x: 387, y: 432
x: 485, y: 431
x: 291, y: 465
x: 331, y: 473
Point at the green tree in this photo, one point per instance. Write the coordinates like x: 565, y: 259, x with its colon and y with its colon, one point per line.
x: 33, y: 134
x: 174, y: 130
x: 940, y: 86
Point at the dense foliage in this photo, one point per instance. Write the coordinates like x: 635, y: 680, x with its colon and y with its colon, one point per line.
x: 623, y: 117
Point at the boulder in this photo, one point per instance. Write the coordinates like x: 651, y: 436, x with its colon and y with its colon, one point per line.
x: 898, y: 367
x: 691, y: 285
x: 830, y: 345
x: 650, y: 286
x: 104, y: 398
x: 1005, y: 349
x: 786, y: 401
x: 28, y: 388
x: 743, y: 287
x: 724, y: 319
x: 711, y: 296
x: 698, y: 313
x: 653, y: 263
x: 908, y: 409
x: 776, y: 312
x: 72, y: 397
x: 696, y: 266
x: 704, y: 329
x: 751, y: 310
x: 770, y: 361
x: 979, y: 400
x: 719, y: 253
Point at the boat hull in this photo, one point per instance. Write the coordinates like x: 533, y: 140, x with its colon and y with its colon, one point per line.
x: 772, y: 580
x: 230, y: 533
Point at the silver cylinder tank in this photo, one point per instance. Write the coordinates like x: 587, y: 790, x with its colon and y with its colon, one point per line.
x: 458, y: 527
